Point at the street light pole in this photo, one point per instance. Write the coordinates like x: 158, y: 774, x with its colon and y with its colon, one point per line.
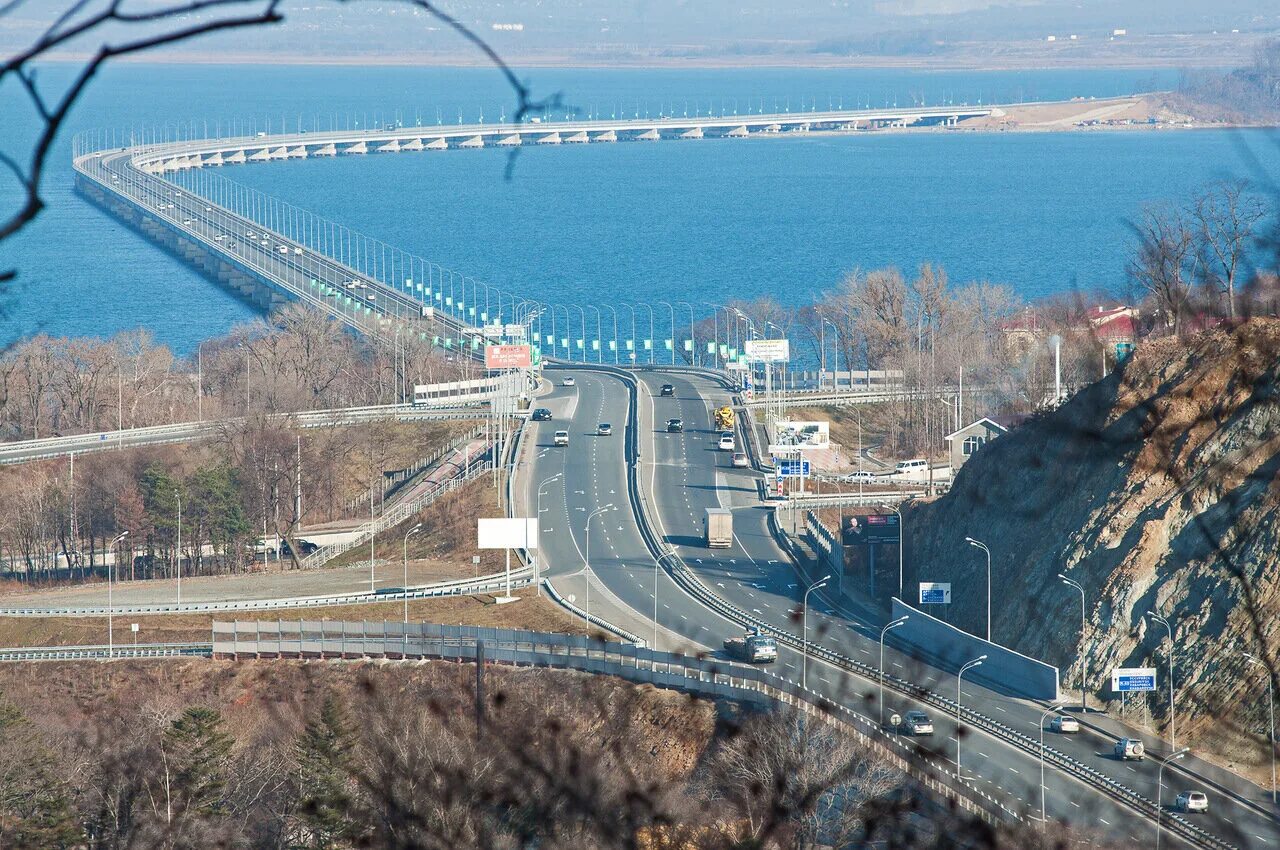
x: 893, y: 625
x: 177, y: 560
x: 1271, y: 713
x: 586, y: 556
x: 1173, y: 715
x: 1084, y: 659
x: 984, y: 548
x: 1050, y: 710
x: 1160, y: 787
x: 977, y: 662
x: 111, y: 641
x: 405, y: 588
x: 804, y: 630
x: 537, y: 558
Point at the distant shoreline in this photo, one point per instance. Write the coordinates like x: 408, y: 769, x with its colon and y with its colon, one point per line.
x: 700, y: 63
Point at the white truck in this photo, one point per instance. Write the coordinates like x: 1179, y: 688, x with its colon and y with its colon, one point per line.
x: 753, y: 648
x: 718, y: 526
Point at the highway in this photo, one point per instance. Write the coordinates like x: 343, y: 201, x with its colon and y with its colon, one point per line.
x: 684, y: 474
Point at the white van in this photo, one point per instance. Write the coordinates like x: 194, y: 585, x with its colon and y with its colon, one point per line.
x: 916, y: 469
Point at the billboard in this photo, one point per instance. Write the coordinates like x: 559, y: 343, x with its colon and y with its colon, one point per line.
x: 935, y: 593
x: 1132, y: 679
x: 507, y: 533
x: 875, y: 529
x: 800, y: 436
x: 768, y: 350
x: 507, y: 357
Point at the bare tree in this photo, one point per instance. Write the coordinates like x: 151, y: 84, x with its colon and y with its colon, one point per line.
x: 1226, y: 218
x: 1161, y: 265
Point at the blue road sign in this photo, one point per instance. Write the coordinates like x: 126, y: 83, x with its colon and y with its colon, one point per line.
x: 1133, y: 679
x: 793, y: 468
x: 935, y: 593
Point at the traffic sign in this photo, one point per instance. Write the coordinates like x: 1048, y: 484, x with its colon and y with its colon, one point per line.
x: 1131, y: 679
x: 793, y: 468
x: 768, y: 350
x: 507, y: 357
x: 935, y: 593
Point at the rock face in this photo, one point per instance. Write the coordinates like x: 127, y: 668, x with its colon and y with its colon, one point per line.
x: 1156, y: 490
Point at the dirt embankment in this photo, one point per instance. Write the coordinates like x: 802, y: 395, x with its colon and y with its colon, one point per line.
x: 1156, y: 489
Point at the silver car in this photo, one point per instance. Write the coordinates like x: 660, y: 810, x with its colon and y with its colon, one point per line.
x: 1192, y: 801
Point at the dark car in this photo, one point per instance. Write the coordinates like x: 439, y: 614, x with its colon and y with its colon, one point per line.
x: 305, y: 547
x: 667, y: 389
x: 675, y: 425
x: 541, y: 414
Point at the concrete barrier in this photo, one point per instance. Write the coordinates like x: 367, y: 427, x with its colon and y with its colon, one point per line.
x: 945, y: 646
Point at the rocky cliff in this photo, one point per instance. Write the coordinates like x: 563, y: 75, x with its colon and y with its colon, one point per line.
x: 1156, y: 490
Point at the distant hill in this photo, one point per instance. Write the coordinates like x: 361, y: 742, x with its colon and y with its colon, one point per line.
x: 1157, y: 490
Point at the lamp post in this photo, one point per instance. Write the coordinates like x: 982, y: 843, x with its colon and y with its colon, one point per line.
x: 804, y: 630
x: 1050, y: 710
x: 901, y: 532
x: 111, y: 642
x: 537, y: 558
x: 1271, y: 713
x: 586, y: 555
x: 1160, y: 787
x: 983, y: 547
x: 977, y: 662
x: 1084, y: 660
x: 407, y: 535
x: 177, y: 560
x: 893, y: 625
x: 1173, y: 724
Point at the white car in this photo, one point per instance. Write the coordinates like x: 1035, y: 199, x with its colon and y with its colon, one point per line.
x: 604, y: 429
x: 1192, y: 801
x: 561, y: 438
x: 726, y: 443
x: 860, y: 475
x: 740, y: 460
x: 1064, y: 725
x: 567, y: 382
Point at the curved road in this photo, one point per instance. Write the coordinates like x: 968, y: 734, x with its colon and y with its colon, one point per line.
x: 683, y: 474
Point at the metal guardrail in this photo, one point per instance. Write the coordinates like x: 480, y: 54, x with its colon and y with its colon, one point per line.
x: 591, y: 618
x: 454, y: 587
x: 82, y: 653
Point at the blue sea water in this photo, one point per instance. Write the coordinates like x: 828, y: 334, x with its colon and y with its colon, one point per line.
x: 709, y: 220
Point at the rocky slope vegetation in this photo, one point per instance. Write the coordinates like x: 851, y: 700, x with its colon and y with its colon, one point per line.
x: 1156, y: 490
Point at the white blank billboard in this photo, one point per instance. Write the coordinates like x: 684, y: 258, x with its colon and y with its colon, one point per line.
x: 507, y: 533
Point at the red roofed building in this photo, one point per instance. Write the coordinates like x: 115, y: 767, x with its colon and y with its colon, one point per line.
x: 1114, y: 324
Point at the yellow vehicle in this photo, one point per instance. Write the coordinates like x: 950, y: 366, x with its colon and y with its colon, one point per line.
x: 723, y: 418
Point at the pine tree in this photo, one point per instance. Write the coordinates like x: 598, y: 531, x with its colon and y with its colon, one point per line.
x: 325, y: 769
x: 196, y: 750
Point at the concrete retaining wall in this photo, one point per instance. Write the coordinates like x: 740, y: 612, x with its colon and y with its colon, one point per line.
x: 945, y: 646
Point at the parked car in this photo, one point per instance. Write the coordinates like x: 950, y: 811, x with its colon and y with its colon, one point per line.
x: 668, y: 390
x: 675, y: 426
x: 561, y: 438
x: 1130, y: 748
x: 916, y: 723
x: 541, y: 414
x: 860, y: 475
x: 568, y: 382
x: 740, y: 460
x: 1064, y: 725
x: 305, y: 548
x: 1192, y: 801
x: 604, y: 429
